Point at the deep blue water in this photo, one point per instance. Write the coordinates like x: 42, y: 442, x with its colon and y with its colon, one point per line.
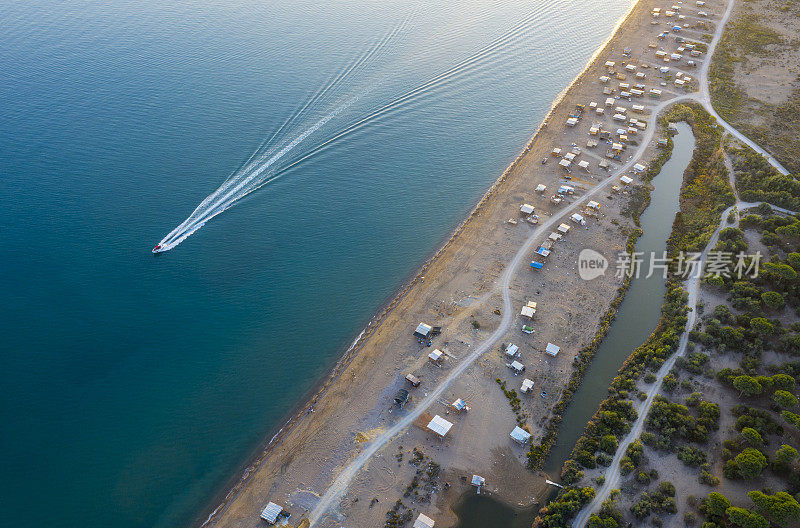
x: 135, y: 386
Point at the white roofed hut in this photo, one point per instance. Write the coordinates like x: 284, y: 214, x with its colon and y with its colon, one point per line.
x: 578, y: 219
x: 440, y: 426
x: 527, y: 386
x: 639, y: 168
x: 526, y: 209
x: 593, y: 205
x: 478, y: 481
x: 460, y: 405
x: 552, y: 350
x: 436, y: 356
x: 423, y: 331
x: 272, y: 512
x: 512, y: 350
x: 517, y: 367
x: 565, y: 163
x: 572, y: 122
x: 583, y: 164
x: 423, y: 521
x: 626, y: 180
x: 564, y: 228
x: 541, y: 188
x: 520, y: 435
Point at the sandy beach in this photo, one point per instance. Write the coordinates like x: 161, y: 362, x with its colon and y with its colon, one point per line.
x: 459, y: 290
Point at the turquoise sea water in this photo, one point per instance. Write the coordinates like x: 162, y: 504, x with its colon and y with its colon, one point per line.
x: 134, y: 386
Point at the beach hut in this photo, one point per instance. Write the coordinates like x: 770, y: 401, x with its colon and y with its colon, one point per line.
x: 556, y: 152
x: 626, y: 95
x: 655, y: 92
x: 610, y: 101
x: 600, y: 111
x: 552, y: 350
x: 610, y: 64
x: 593, y: 104
x: 572, y: 121
x: 565, y: 163
x: 423, y: 521
x: 637, y: 93
x: 526, y: 209
x: 564, y: 228
x: 593, y: 205
x: 556, y: 199
x: 578, y: 219
x: 413, y: 380
x: 527, y: 329
x: 639, y: 168
x: 555, y: 237
x: 460, y: 405
x: 541, y: 188
x: 676, y: 56
x: 527, y: 385
x: 517, y: 367
x: 272, y: 512
x: 543, y: 251
x: 591, y: 143
x: 537, y: 265
x: 593, y: 130
x: 624, y: 86
x: 423, y: 331
x: 637, y: 108
x: 520, y: 435
x: 625, y: 180
x: 630, y: 67
x: 440, y: 426
x: 680, y: 83
x: 661, y: 54
x: 570, y: 156
x: 478, y: 482
x: 604, y: 164
x: 512, y: 350
x: 619, y: 117
x: 566, y: 189
x: 436, y: 356
x: 528, y: 311
x: 583, y: 164
x: 604, y: 78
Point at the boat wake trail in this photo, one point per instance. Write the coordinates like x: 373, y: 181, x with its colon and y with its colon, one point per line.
x: 289, y: 145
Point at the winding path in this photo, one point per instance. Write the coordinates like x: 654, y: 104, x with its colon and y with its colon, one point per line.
x: 338, y: 488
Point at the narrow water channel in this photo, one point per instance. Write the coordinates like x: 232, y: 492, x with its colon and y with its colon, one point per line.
x: 636, y: 319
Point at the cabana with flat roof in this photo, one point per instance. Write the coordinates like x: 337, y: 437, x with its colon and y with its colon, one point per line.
x: 543, y: 251
x: 520, y: 435
x: 526, y: 209
x: 478, y: 481
x: 527, y: 385
x: 578, y: 219
x: 423, y: 331
x: 272, y: 512
x: 423, y: 521
x: 555, y: 237
x: 564, y: 228
x: 529, y: 310
x: 460, y: 405
x: 626, y: 180
x: 639, y: 168
x: 436, y: 356
x: 593, y: 205
x: 511, y: 350
x: 583, y: 164
x: 552, y: 350
x: 517, y: 367
x: 440, y: 426
x: 565, y: 163
x: 541, y: 188
x: 572, y: 121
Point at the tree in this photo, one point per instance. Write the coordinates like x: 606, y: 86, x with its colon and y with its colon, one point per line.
x: 792, y: 418
x: 772, y: 299
x: 745, y: 519
x: 781, y: 508
x: 761, y: 326
x: 609, y: 444
x: 750, y: 463
x: 747, y: 385
x: 783, y: 382
x: 785, y: 399
x: 786, y: 455
x: 717, y: 503
x: 752, y: 437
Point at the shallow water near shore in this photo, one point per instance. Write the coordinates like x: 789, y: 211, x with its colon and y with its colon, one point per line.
x: 137, y: 386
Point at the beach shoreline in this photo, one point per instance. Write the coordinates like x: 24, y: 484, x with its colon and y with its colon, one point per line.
x: 217, y: 509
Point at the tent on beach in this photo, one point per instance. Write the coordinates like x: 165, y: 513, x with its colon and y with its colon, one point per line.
x: 440, y: 426
x: 423, y: 331
x: 271, y: 512
x: 423, y: 521
x: 520, y: 435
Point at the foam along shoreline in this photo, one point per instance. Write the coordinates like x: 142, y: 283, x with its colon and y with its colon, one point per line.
x: 379, y: 320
